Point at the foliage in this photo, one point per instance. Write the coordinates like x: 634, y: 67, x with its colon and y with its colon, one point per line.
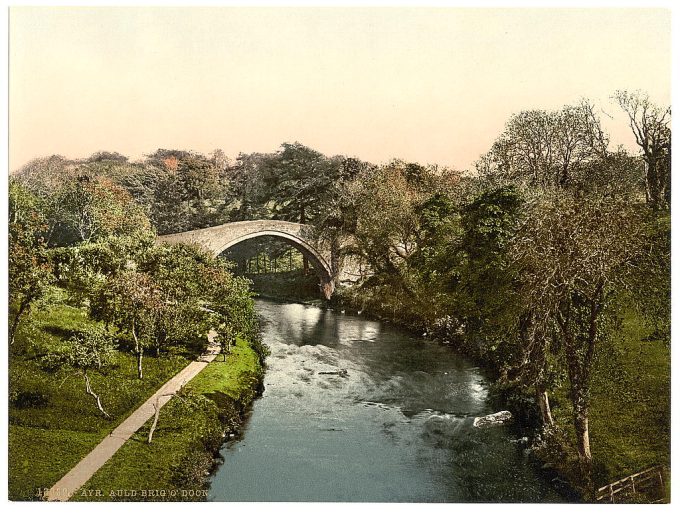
x: 542, y: 148
x: 90, y: 349
x: 30, y: 273
x: 573, y: 255
x: 87, y: 208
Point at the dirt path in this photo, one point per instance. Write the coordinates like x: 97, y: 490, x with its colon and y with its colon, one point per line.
x: 90, y: 464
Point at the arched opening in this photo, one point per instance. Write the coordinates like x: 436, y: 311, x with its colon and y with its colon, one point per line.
x: 274, y: 261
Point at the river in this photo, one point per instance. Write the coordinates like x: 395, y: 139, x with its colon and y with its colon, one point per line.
x: 397, y: 428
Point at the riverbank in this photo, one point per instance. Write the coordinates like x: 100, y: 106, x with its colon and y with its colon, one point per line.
x: 176, y: 465
x: 630, y: 403
x: 53, y: 423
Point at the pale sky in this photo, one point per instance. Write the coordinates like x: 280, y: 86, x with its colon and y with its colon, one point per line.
x: 432, y: 85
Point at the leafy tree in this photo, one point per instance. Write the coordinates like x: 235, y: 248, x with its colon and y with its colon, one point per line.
x: 30, y: 272
x: 88, y: 350
x: 132, y: 301
x: 573, y: 255
x: 107, y: 156
x: 83, y: 269
x: 488, y: 222
x: 181, y: 273
x: 299, y: 180
x: 542, y: 148
x: 439, y: 239
x: 191, y: 191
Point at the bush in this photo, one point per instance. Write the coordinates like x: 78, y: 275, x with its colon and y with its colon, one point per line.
x: 29, y: 399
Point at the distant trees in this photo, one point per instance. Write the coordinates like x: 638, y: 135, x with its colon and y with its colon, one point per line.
x: 80, y: 206
x: 191, y: 191
x: 545, y: 148
x: 95, y: 208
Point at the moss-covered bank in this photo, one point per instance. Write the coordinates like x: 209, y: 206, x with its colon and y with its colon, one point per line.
x: 191, y: 428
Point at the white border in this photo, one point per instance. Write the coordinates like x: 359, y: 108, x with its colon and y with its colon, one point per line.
x: 341, y: 508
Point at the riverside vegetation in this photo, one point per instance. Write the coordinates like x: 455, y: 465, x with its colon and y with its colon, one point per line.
x: 549, y: 263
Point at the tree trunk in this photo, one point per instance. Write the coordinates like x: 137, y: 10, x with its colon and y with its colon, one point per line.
x: 582, y: 437
x: 140, y: 354
x: 544, y: 405
x: 13, y: 329
x: 88, y: 390
x: 157, y: 411
x: 23, y: 306
x: 139, y: 350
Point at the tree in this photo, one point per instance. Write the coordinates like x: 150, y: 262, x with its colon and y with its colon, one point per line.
x: 386, y: 231
x: 191, y: 190
x: 573, y: 255
x: 97, y: 208
x: 87, y: 350
x: 29, y: 268
x: 132, y: 301
x: 82, y: 269
x: 180, y: 272
x: 542, y: 148
x: 651, y: 127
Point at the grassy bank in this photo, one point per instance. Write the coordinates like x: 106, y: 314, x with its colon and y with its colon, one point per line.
x: 630, y: 405
x: 190, y: 430
x: 53, y: 423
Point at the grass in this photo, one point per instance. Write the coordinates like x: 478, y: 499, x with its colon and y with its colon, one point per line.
x: 53, y: 423
x: 190, y: 431
x: 630, y: 404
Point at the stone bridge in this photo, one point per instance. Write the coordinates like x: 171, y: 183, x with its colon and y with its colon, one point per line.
x: 218, y: 239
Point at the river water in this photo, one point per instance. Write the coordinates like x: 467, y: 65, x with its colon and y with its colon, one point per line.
x: 397, y: 428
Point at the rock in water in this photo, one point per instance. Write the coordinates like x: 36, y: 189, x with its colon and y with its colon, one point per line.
x: 496, y: 419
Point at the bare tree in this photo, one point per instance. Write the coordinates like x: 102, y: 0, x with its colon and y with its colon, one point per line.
x: 651, y: 127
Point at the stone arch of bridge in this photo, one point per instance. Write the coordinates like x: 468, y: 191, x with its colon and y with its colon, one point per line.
x: 318, y: 262
x: 218, y: 239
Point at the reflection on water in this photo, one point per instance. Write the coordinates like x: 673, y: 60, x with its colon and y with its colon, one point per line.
x: 396, y: 428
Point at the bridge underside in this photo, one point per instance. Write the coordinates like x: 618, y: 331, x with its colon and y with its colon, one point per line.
x: 326, y: 283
